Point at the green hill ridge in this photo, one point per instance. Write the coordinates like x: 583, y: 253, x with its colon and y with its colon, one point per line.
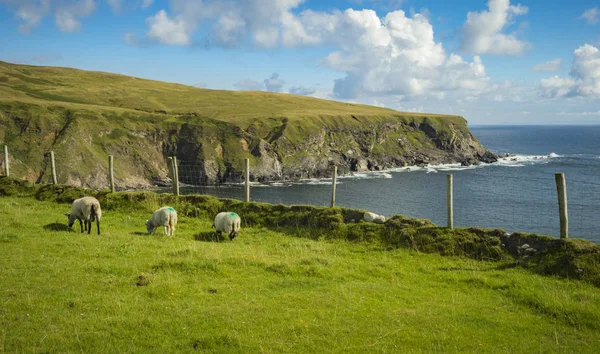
x: 84, y: 116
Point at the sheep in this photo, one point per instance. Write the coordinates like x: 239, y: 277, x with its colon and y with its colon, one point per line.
x: 372, y: 217
x: 88, y: 210
x: 165, y: 216
x: 228, y: 222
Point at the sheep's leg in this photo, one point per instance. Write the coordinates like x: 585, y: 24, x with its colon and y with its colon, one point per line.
x: 88, y: 223
x: 81, y: 225
x: 166, y: 229
x: 98, y: 224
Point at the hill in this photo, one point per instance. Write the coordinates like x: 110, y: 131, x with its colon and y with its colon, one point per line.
x: 85, y: 116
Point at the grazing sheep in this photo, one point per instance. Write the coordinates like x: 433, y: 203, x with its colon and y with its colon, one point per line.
x: 165, y: 216
x: 88, y: 210
x: 228, y: 222
x: 372, y: 217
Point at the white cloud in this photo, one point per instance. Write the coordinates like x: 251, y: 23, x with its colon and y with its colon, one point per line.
x: 592, y: 16
x: 395, y: 54
x: 31, y: 12
x: 67, y: 14
x: 302, y: 91
x: 584, y: 77
x: 167, y: 30
x: 556, y: 86
x: 274, y: 83
x: 549, y: 66
x: 482, y: 32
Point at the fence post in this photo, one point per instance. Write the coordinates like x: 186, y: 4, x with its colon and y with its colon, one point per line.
x: 53, y: 165
x: 6, y: 161
x: 247, y: 178
x: 175, y: 177
x: 333, y: 183
x: 450, y: 201
x: 111, y: 173
x: 561, y: 189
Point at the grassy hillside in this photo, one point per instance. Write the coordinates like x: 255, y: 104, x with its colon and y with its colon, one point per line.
x: 267, y: 291
x: 84, y: 116
x: 98, y: 90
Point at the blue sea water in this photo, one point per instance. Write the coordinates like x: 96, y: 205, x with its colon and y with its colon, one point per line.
x: 516, y: 194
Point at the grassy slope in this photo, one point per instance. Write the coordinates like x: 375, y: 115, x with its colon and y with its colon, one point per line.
x: 265, y: 292
x: 78, y: 89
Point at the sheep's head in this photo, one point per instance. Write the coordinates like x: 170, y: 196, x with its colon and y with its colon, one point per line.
x: 150, y: 227
x: 71, y: 219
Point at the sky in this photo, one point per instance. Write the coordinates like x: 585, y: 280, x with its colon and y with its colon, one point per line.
x: 494, y: 62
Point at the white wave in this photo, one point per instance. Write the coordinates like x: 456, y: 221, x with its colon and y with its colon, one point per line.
x: 521, y: 160
x: 431, y: 170
x: 368, y: 175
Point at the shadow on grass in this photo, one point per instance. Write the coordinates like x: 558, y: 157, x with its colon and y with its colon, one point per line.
x: 208, y: 236
x: 58, y: 227
x: 139, y: 233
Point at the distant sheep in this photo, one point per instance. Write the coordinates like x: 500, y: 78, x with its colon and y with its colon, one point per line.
x: 85, y: 209
x: 227, y: 222
x: 372, y: 217
x: 165, y: 216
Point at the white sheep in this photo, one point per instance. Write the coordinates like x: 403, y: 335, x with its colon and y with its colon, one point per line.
x: 228, y: 222
x: 372, y: 217
x: 88, y: 210
x: 165, y: 216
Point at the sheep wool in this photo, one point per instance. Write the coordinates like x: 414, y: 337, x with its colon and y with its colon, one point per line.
x: 85, y: 209
x: 227, y: 222
x: 165, y: 216
x: 372, y: 217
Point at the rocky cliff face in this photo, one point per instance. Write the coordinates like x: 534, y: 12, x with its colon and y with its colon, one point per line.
x: 277, y: 149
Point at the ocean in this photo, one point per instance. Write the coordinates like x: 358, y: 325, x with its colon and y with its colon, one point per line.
x: 517, y: 193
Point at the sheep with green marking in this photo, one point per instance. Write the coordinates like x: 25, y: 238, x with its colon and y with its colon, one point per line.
x: 227, y: 222
x: 165, y: 216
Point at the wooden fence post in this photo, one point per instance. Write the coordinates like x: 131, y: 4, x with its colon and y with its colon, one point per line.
x: 111, y: 173
x: 247, y: 178
x: 176, y: 177
x: 333, y: 184
x: 561, y: 189
x: 6, y: 171
x: 450, y: 201
x: 53, y: 165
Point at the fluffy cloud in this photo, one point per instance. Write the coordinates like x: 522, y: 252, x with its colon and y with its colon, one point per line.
x: 549, y: 66
x: 482, y: 32
x: 302, y: 91
x: 274, y: 83
x: 66, y: 12
x: 394, y: 54
x: 592, y: 16
x: 397, y: 55
x: 584, y: 77
x: 167, y: 30
x: 67, y: 16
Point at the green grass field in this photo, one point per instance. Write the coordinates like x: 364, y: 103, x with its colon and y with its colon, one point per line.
x: 126, y: 291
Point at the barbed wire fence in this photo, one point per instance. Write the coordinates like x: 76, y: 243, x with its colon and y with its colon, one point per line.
x: 536, y: 211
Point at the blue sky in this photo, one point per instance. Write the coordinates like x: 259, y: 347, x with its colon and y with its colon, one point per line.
x: 494, y: 62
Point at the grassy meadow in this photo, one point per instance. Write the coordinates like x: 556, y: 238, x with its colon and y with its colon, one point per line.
x: 266, y: 291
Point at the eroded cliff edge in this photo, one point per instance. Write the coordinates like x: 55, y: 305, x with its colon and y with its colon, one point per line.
x: 278, y: 148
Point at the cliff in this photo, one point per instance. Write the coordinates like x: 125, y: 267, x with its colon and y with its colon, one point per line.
x: 85, y: 116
